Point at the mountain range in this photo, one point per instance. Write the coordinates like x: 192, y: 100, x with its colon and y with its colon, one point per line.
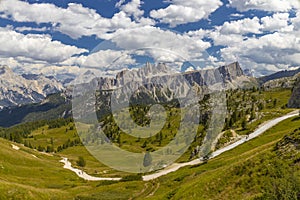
x: 59, y: 103
x: 16, y: 90
x: 29, y: 97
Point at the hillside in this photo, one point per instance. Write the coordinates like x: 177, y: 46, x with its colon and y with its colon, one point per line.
x: 21, y: 172
x: 241, y: 173
x: 263, y: 168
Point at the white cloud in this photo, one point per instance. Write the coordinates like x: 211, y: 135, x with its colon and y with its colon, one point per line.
x: 275, y: 23
x: 236, y: 15
x: 234, y: 32
x: 132, y: 8
x: 296, y: 21
x: 161, y: 45
x: 276, y: 48
x: 27, y: 28
x: 35, y: 47
x: 225, y: 40
x: 102, y: 60
x: 182, y: 12
x: 265, y: 5
x: 200, y: 34
x: 152, y: 37
x: 242, y: 26
x: 75, y: 20
x: 268, y: 53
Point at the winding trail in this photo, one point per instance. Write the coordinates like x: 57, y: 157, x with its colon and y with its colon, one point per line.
x: 261, y: 129
x: 84, y: 175
x: 174, y: 167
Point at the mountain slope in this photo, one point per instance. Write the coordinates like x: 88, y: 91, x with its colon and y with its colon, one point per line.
x: 254, y: 170
x: 21, y: 173
x: 278, y: 75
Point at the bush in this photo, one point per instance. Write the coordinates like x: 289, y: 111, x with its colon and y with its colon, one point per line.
x: 81, y: 162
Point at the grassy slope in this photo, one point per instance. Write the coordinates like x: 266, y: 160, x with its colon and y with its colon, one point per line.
x: 24, y: 176
x: 21, y: 174
x: 217, y: 178
x: 43, y: 137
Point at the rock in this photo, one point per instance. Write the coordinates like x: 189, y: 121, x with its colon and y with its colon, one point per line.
x: 294, y: 101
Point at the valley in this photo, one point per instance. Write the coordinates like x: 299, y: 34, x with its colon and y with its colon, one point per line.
x: 236, y: 166
x: 150, y: 100
x: 193, y: 179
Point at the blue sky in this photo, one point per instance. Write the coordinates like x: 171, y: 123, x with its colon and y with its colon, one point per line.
x: 59, y: 36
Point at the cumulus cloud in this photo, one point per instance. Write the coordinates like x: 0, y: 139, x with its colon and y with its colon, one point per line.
x: 265, y: 45
x: 102, y: 60
x: 296, y: 21
x: 152, y: 37
x: 159, y: 45
x: 35, y: 47
x: 200, y: 34
x: 75, y: 20
x: 132, y: 8
x: 270, y: 52
x: 265, y: 5
x: 182, y: 12
x: 232, y: 33
x: 242, y: 26
x: 277, y: 22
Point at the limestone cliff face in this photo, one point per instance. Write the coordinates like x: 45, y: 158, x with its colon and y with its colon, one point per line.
x: 228, y: 74
x: 294, y: 101
x: 159, y: 84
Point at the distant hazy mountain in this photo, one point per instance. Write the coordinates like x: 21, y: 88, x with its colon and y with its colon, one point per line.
x: 52, y: 107
x: 278, y: 75
x: 24, y: 89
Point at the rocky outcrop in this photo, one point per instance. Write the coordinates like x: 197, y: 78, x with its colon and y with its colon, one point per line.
x: 294, y: 101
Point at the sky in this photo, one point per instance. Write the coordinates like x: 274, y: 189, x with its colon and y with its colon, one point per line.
x: 66, y: 37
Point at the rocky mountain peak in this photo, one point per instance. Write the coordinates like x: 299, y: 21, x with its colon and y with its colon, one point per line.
x: 231, y: 71
x: 22, y: 89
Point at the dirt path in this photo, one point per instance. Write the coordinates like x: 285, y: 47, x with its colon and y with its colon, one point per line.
x: 84, y: 175
x: 257, y: 132
x: 174, y: 167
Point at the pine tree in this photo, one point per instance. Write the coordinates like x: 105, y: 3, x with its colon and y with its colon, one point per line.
x: 81, y: 162
x: 147, y: 159
x: 244, y: 124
